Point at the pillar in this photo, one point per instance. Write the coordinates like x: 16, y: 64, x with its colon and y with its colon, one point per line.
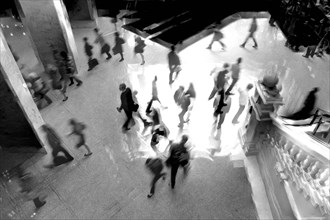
x: 19, y: 100
x: 82, y: 13
x: 49, y: 26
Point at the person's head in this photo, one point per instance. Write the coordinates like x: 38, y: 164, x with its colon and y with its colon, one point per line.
x: 72, y: 121
x: 249, y: 86
x: 64, y: 54
x: 117, y: 34
x: 85, y: 39
x: 155, y: 79
x: 315, y: 89
x: 122, y: 87
x: 184, y: 138
x: 239, y: 60
x: 225, y: 65
x: 96, y: 30
x: 173, y: 48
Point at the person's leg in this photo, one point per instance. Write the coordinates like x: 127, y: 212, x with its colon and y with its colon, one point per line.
x: 234, y: 81
x: 246, y: 39
x: 181, y: 117
x: 211, y: 43
x: 89, y: 152
x: 254, y: 40
x: 222, y: 119
x: 46, y: 97
x: 129, y: 118
x: 63, y: 90
x: 71, y: 81
x: 153, y: 183
x: 213, y: 92
x: 239, y: 112
x: 122, y: 56
x: 171, y: 75
x: 308, y: 52
x: 222, y: 44
x: 142, y: 57
x: 148, y: 110
x: 174, y: 170
x: 79, y: 82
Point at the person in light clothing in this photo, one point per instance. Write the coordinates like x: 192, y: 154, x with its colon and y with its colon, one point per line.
x: 235, y: 73
x: 243, y: 100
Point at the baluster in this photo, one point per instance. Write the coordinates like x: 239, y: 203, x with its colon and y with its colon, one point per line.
x: 294, y: 151
x: 307, y: 162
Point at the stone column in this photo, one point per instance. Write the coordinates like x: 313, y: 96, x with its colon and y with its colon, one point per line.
x: 19, y: 93
x: 48, y: 23
x: 82, y: 13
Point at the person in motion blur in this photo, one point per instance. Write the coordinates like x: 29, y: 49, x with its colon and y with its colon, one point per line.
x: 155, y: 166
x: 139, y: 48
x: 127, y: 104
x: 77, y: 129
x: 252, y: 30
x: 179, y: 156
x: 243, y: 100
x: 217, y: 36
x: 173, y: 64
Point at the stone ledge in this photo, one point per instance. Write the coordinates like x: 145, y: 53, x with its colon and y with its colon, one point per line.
x: 259, y: 194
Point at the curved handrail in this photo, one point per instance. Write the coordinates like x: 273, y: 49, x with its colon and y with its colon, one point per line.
x: 304, y: 141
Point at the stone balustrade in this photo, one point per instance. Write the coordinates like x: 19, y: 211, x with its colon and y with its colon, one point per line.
x: 303, y: 161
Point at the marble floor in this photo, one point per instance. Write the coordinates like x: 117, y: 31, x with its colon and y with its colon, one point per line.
x: 113, y: 183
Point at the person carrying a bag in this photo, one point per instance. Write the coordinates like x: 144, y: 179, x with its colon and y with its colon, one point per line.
x: 118, y: 48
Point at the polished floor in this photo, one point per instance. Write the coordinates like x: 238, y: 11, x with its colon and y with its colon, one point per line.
x: 113, y: 183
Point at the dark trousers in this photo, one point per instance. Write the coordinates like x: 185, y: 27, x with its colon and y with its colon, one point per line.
x: 129, y: 115
x: 76, y: 79
x: 174, y: 170
x: 154, y: 181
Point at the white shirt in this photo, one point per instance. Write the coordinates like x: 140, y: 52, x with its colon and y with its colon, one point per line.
x: 243, y: 96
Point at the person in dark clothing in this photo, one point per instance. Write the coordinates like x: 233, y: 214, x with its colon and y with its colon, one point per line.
x: 155, y: 165
x: 89, y: 52
x: 60, y: 85
x: 139, y: 48
x: 77, y: 129
x: 55, y: 143
x: 67, y: 62
x: 307, y: 110
x: 105, y: 47
x: 179, y: 157
x: 118, y: 48
x: 173, y: 64
x: 127, y: 104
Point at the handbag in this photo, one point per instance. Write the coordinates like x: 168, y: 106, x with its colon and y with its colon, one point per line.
x: 135, y: 107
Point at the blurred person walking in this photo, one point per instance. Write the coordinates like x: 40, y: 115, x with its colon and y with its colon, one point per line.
x: 139, y: 48
x: 217, y: 36
x: 105, y: 47
x: 222, y: 112
x: 60, y: 85
x: 55, y: 144
x: 235, y: 74
x: 174, y: 64
x: 118, y: 48
x: 70, y: 70
x: 178, y: 157
x: 252, y: 30
x: 154, y: 96
x: 28, y: 184
x: 77, y: 129
x: 127, y: 104
x: 39, y: 86
x: 92, y: 62
x: 145, y: 122
x: 243, y: 100
x: 155, y: 166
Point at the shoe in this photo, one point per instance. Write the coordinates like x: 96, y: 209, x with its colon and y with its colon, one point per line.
x: 121, y: 60
x: 88, y: 154
x: 255, y: 46
x: 66, y: 98
x: 143, y: 63
x: 108, y: 58
x: 71, y: 84
x: 89, y: 69
x: 242, y: 45
x: 305, y: 56
x: 148, y: 112
x: 209, y: 48
x: 79, y: 84
x: 150, y: 195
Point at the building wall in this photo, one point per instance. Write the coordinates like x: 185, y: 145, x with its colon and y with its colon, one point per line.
x: 14, y: 128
